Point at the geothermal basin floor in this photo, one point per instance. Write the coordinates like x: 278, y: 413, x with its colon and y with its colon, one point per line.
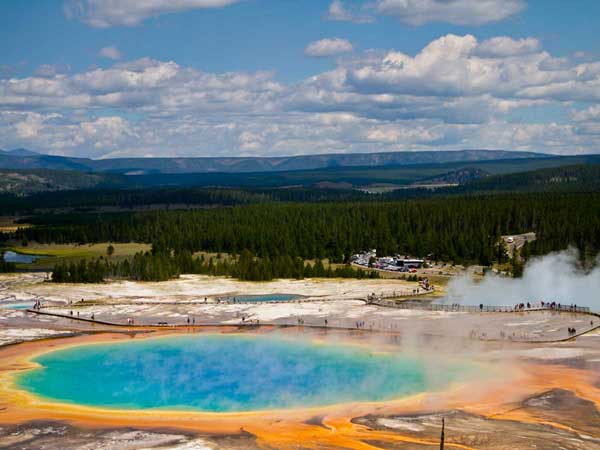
x: 549, y: 399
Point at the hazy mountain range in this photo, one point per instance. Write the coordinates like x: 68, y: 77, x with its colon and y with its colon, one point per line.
x: 24, y: 172
x: 27, y: 159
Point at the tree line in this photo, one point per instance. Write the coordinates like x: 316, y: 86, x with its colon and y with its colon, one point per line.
x: 453, y: 229
x: 6, y: 267
x: 162, y: 264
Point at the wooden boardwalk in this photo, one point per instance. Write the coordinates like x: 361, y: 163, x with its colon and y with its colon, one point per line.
x: 407, y: 304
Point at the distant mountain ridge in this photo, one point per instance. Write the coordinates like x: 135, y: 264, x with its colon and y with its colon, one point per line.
x: 28, y: 181
x: 460, y: 176
x: 486, y: 175
x: 582, y: 177
x: 27, y: 159
x: 20, y: 152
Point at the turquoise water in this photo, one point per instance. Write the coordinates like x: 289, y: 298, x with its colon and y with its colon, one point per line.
x: 17, y: 305
x: 264, y: 298
x: 221, y: 374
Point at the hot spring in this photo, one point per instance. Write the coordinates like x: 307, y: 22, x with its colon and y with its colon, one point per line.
x: 266, y: 298
x: 227, y: 373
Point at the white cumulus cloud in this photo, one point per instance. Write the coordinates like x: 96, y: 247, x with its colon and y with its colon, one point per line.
x: 107, y: 13
x: 456, y: 92
x: 506, y: 46
x: 50, y: 70
x: 342, y: 12
x: 337, y: 11
x: 110, y: 52
x: 328, y: 47
x: 460, y: 12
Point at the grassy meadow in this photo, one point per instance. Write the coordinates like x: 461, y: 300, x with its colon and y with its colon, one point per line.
x: 54, y: 253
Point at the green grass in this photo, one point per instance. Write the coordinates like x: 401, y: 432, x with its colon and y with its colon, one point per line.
x: 54, y: 253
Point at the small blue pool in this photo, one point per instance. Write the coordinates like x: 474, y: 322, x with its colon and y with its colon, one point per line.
x: 20, y: 258
x: 261, y: 298
x: 26, y: 305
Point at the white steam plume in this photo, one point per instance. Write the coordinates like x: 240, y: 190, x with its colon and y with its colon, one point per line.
x: 553, y: 277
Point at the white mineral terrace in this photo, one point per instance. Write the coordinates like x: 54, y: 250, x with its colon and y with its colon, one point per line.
x: 194, y: 300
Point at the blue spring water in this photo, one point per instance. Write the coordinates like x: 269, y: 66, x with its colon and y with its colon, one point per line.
x: 20, y: 258
x: 219, y: 373
x: 264, y: 298
x: 17, y: 305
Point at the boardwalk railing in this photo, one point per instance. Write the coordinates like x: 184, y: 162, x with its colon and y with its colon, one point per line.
x: 400, y: 294
x: 472, y: 308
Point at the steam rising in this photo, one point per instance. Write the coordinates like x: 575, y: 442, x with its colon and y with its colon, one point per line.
x: 554, y: 277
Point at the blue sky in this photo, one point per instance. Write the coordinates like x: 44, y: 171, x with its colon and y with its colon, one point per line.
x: 106, y: 78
